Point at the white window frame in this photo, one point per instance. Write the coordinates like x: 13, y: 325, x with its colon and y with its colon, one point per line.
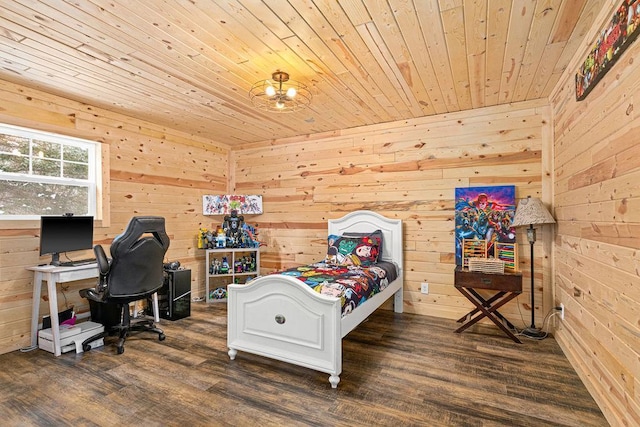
x: 93, y: 183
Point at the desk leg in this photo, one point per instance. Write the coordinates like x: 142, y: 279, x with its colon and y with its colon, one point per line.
x: 35, y: 310
x: 53, y: 313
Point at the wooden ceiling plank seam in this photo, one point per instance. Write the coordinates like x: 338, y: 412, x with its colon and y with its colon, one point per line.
x: 326, y: 39
x: 250, y: 31
x: 11, y: 35
x: 568, y: 16
x: 519, y: 25
x: 432, y: 29
x: 386, y: 33
x: 409, y: 24
x: 36, y: 21
x: 329, y: 85
x: 302, y: 28
x: 220, y: 106
x: 329, y: 58
x: 328, y: 105
x: 107, y: 72
x: 578, y: 35
x: 540, y: 32
x: 539, y: 86
x: 356, y: 11
x: 380, y: 51
x: 330, y: 94
x: 21, y: 60
x: 46, y: 72
x: 453, y: 25
x: 195, y: 62
x: 275, y: 21
x: 347, y: 39
x: 475, y: 27
x: 497, y: 27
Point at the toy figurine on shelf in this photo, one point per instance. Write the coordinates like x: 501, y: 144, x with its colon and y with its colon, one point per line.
x: 215, y: 266
x: 238, y: 267
x: 224, y: 266
x: 218, y: 293
x: 233, y: 225
x: 251, y: 234
x: 208, y: 240
x: 202, y: 238
x: 221, y: 238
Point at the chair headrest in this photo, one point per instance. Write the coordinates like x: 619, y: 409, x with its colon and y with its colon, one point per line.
x: 139, y: 225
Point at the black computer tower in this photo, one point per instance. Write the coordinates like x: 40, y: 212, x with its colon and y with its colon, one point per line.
x: 174, y: 298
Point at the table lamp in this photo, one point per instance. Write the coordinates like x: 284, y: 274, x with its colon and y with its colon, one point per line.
x: 531, y: 211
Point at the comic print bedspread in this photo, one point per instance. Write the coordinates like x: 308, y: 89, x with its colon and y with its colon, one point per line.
x: 352, y: 284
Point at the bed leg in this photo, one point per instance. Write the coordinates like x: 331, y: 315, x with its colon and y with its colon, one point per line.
x: 398, y: 303
x: 334, y: 380
x: 232, y: 353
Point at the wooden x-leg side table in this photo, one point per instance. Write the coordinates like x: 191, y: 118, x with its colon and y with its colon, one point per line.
x: 507, y: 287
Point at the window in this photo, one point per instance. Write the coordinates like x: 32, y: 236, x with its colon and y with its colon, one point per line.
x: 43, y: 173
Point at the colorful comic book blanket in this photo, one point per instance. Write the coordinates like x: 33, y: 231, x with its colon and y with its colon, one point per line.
x: 354, y: 285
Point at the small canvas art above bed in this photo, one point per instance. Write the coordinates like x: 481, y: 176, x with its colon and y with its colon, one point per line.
x: 484, y: 213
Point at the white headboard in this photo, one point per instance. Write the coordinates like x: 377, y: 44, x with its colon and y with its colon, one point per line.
x: 368, y: 221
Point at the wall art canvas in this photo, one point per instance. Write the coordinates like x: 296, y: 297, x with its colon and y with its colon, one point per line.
x: 223, y: 204
x: 484, y: 213
x: 612, y: 41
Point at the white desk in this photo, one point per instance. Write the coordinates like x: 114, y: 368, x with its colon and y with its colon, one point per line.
x: 54, y: 275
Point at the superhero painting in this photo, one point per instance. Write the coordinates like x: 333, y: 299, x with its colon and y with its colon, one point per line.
x: 484, y: 213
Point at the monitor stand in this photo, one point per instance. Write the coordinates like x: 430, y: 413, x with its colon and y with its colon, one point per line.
x: 55, y: 259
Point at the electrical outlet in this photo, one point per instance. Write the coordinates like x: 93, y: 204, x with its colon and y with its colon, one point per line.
x: 424, y: 288
x: 562, y: 311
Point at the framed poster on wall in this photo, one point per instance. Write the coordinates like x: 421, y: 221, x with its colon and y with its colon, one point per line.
x: 484, y: 213
x: 622, y: 29
x: 223, y: 204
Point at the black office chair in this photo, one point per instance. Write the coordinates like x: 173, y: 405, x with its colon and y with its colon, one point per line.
x: 135, y: 272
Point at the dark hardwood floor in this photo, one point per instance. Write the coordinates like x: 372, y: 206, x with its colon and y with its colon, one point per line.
x: 398, y: 369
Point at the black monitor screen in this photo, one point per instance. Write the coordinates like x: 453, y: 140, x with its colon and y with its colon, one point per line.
x: 64, y: 234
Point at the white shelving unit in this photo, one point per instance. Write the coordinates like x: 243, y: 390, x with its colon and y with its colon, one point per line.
x: 218, y: 280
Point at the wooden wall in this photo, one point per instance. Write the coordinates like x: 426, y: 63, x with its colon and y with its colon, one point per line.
x: 597, y: 205
x: 407, y: 170
x: 152, y: 171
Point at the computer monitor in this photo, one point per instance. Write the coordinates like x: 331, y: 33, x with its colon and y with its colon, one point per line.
x: 65, y: 234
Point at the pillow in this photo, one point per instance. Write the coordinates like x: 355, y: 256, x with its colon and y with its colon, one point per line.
x: 354, y: 249
x: 374, y: 235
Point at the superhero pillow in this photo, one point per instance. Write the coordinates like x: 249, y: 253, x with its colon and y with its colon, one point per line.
x: 354, y: 248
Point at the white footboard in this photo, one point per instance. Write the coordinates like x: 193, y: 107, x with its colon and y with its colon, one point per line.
x: 282, y: 318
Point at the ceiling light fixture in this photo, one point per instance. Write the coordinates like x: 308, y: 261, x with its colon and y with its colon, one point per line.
x: 280, y: 94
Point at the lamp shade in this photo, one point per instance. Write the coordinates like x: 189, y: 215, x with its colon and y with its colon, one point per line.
x: 531, y: 211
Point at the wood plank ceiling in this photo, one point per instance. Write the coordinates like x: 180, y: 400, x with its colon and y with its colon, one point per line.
x: 189, y: 64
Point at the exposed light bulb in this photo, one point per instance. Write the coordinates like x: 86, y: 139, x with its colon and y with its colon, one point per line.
x: 270, y: 91
x: 291, y: 92
x: 280, y: 104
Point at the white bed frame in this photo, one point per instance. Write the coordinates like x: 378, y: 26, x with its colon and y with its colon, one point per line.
x: 280, y: 317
